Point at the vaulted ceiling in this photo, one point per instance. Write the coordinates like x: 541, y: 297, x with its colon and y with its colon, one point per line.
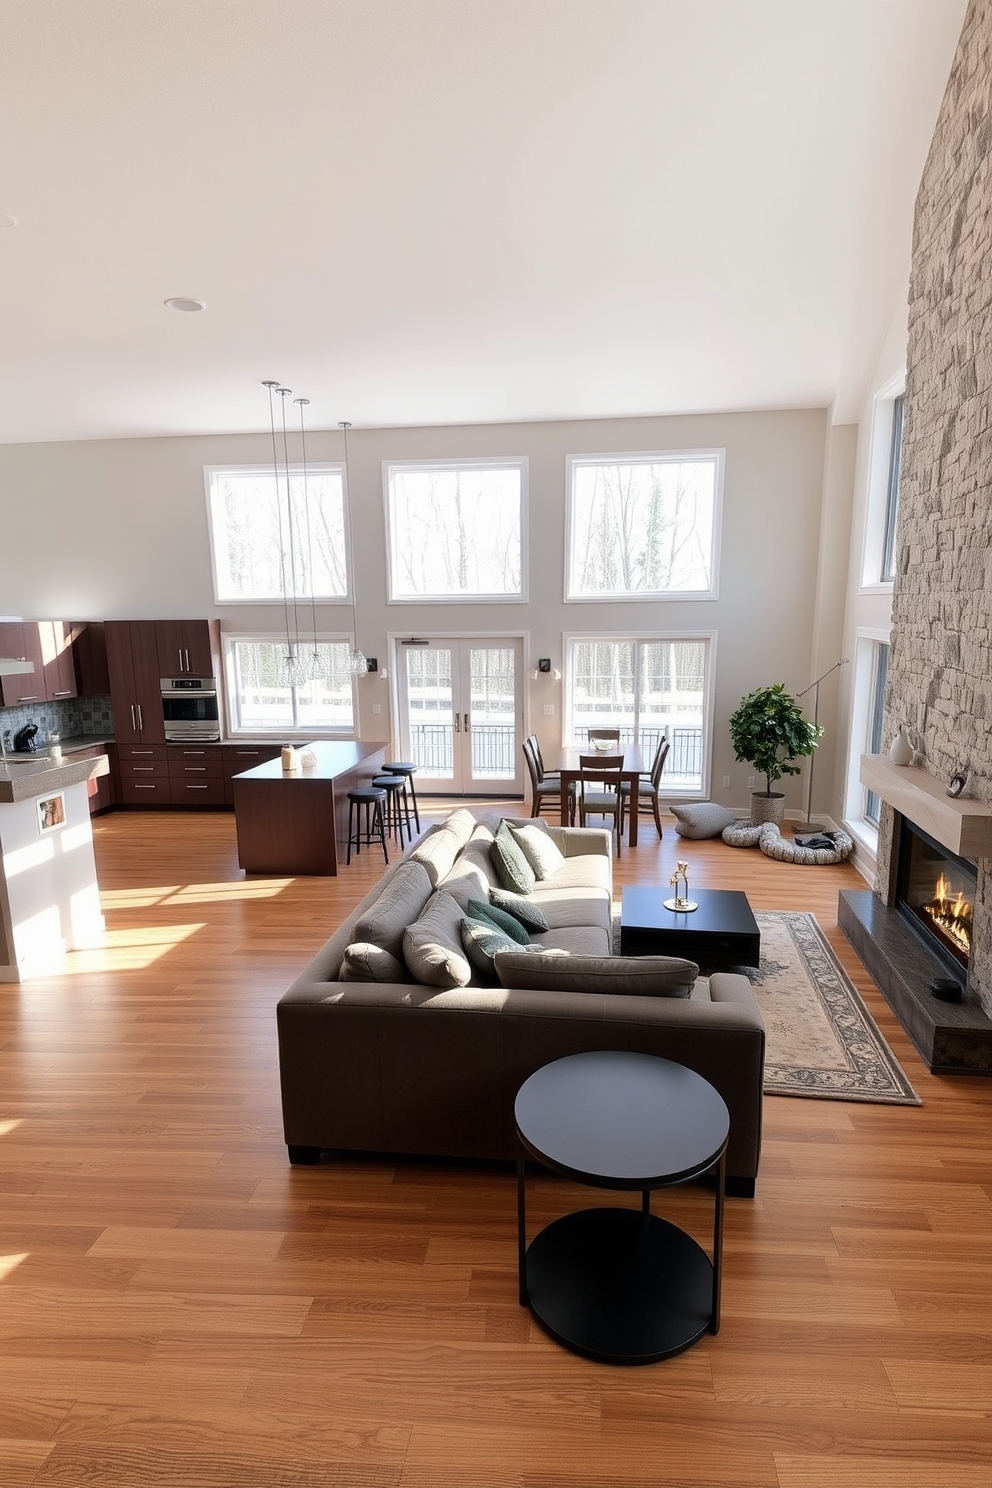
x: 453, y: 211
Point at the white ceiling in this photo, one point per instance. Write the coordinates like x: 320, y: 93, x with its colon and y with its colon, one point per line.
x: 453, y: 211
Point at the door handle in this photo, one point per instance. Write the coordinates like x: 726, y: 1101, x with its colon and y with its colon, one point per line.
x: 466, y: 723
x: 458, y: 727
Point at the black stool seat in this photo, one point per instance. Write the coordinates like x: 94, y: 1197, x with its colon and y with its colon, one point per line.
x: 397, y: 806
x: 406, y: 769
x: 371, y: 798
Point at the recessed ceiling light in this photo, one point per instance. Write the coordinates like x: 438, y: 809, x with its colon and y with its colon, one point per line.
x: 6, y: 220
x: 180, y: 303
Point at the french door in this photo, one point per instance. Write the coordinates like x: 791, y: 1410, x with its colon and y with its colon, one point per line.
x: 461, y: 713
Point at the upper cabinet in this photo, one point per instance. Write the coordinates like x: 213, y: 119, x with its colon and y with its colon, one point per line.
x: 48, y: 645
x: 188, y: 648
x: 135, y: 691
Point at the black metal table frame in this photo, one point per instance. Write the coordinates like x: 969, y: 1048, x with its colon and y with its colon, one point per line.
x: 641, y: 1185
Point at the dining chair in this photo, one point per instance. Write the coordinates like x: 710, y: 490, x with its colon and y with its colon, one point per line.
x: 545, y: 774
x: 604, y: 735
x: 648, y: 786
x: 543, y: 788
x: 599, y: 791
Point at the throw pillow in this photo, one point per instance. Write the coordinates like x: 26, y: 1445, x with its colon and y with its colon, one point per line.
x: 699, y: 819
x: 481, y: 940
x: 543, y: 855
x: 399, y: 904
x: 508, y: 858
x: 498, y: 917
x: 524, y: 910
x: 432, y: 946
x: 363, y: 962
x: 557, y: 971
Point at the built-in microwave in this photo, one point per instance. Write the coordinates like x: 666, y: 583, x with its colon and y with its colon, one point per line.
x: 189, y: 706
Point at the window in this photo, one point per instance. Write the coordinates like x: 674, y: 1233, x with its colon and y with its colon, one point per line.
x: 645, y: 686
x: 643, y: 526
x: 876, y: 705
x: 892, y: 491
x: 259, y: 703
x: 265, y: 549
x: 882, y: 506
x: 456, y: 530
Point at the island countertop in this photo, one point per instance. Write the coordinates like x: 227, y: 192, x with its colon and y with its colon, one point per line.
x: 335, y: 757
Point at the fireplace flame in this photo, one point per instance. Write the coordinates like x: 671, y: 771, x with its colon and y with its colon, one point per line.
x: 951, y: 913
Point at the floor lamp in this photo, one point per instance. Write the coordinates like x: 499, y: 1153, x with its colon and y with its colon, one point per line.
x: 808, y: 826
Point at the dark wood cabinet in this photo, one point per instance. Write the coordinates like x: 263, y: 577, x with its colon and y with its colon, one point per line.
x: 238, y: 757
x: 135, y: 691
x: 143, y: 772
x: 56, y: 638
x: 188, y: 648
x: 89, y: 651
x: 99, y: 788
x: 21, y: 641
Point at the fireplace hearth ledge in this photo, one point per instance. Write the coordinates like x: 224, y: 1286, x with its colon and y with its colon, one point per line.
x: 954, y: 1038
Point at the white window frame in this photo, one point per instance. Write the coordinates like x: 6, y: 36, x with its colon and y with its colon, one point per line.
x: 319, y: 467
x: 519, y: 463
x: 647, y: 457
x: 290, y: 731
x: 878, y: 485
x: 866, y: 640
x: 635, y: 637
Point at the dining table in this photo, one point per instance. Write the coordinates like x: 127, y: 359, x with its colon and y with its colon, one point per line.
x: 569, y: 769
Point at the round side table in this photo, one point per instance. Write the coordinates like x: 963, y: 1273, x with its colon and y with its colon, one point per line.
x: 621, y: 1285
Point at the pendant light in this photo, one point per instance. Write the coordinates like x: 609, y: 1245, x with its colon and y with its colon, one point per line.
x: 357, y: 661
x: 291, y: 669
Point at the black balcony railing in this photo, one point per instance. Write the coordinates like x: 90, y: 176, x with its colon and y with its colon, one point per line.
x: 493, y: 749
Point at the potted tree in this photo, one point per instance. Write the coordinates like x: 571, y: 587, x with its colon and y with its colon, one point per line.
x: 768, y: 732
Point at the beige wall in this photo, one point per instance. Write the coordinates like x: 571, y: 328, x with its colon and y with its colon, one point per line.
x: 118, y: 529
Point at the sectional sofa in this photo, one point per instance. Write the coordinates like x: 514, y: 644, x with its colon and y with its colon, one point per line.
x: 376, y: 1056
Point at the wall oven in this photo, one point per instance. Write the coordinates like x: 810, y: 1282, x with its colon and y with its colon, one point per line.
x: 189, y: 706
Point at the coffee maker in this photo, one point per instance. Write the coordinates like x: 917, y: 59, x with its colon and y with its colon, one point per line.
x: 24, y: 739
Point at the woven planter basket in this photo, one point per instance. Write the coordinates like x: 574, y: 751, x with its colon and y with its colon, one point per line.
x: 767, y: 808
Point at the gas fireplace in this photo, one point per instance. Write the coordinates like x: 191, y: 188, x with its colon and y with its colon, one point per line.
x: 936, y: 891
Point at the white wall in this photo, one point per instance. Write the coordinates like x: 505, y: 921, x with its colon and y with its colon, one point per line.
x: 118, y: 529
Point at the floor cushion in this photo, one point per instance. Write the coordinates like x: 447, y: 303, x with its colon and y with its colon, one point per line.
x: 699, y: 819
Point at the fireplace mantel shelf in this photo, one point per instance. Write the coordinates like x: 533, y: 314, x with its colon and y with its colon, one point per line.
x: 960, y: 824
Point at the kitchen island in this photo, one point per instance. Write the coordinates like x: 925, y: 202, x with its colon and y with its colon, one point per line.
x: 293, y: 822
x: 49, y: 896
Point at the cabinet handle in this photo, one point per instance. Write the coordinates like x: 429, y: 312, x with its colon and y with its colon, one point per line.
x: 202, y: 769
x: 141, y: 721
x: 134, y: 722
x: 196, y: 787
x: 140, y: 751
x: 32, y: 699
x: 143, y: 769
x: 179, y: 652
x: 187, y: 660
x: 197, y: 752
x: 138, y: 786
x: 67, y: 693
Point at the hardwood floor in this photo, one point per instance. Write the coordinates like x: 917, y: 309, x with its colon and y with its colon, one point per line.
x: 181, y: 1307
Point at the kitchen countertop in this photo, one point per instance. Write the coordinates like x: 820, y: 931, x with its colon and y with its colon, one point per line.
x: 25, y: 775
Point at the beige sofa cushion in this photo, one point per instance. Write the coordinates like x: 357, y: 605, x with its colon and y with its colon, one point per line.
x: 399, y: 904
x: 364, y: 962
x: 543, y: 855
x: 640, y: 976
x: 432, y: 947
x: 578, y: 873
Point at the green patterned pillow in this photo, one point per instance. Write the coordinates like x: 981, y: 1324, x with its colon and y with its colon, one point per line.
x: 524, y: 910
x: 480, y: 941
x: 510, y: 862
x: 477, y: 910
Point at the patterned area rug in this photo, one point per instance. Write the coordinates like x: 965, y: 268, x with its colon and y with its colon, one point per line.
x: 822, y: 1040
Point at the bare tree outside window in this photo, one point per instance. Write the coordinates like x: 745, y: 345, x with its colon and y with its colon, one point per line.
x: 643, y: 525
x: 455, y: 531
x: 267, y: 546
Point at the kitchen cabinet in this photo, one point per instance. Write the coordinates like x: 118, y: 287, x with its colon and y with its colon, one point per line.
x: 143, y: 773
x: 188, y: 648
x: 56, y: 637
x: 196, y: 775
x: 21, y: 641
x: 99, y: 788
x: 238, y: 757
x: 135, y: 691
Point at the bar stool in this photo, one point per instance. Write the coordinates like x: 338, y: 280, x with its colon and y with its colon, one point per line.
x: 407, y: 769
x: 397, y: 806
x: 372, y: 798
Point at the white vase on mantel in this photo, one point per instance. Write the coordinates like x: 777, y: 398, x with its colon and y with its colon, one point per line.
x: 901, y: 750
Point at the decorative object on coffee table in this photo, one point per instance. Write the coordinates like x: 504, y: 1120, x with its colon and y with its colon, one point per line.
x: 768, y: 732
x: 681, y: 904
x: 621, y: 1284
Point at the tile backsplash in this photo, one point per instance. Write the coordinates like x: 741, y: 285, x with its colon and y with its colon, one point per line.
x: 70, y: 719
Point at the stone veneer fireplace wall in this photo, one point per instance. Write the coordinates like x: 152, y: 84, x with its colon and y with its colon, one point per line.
x: 940, y: 664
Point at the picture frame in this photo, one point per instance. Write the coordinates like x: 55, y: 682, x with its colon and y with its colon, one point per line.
x: 51, y: 812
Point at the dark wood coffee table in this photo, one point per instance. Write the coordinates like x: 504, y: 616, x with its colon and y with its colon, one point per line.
x: 721, y: 932
x: 621, y: 1284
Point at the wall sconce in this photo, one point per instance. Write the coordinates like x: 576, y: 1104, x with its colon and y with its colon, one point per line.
x: 544, y: 668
